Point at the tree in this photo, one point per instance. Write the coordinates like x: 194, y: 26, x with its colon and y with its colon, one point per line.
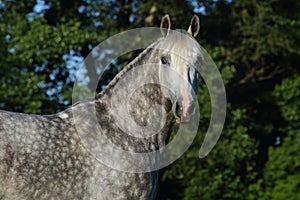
x: 255, y: 45
x: 281, y: 178
x: 35, y: 77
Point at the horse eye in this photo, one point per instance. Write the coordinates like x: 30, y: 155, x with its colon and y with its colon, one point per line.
x: 164, y: 60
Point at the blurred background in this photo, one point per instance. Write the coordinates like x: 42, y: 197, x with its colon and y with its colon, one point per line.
x: 255, y: 44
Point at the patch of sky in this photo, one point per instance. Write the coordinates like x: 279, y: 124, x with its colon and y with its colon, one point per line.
x: 73, y: 63
x: 7, y: 39
x: 11, y: 50
x: 2, y: 7
x: 38, y: 10
x: 40, y: 68
x: 200, y: 8
x: 98, y: 24
x: 81, y: 9
x: 278, y: 140
x: 40, y: 6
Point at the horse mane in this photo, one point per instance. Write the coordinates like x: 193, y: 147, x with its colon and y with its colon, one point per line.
x: 135, y: 62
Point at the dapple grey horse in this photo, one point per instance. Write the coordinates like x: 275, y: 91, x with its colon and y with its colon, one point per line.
x: 43, y: 156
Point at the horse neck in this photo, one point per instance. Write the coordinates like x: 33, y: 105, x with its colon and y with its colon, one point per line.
x: 123, y: 96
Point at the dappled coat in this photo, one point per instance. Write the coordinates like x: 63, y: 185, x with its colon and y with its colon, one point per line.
x: 43, y: 156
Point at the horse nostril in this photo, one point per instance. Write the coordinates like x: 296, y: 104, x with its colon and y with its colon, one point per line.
x: 164, y: 60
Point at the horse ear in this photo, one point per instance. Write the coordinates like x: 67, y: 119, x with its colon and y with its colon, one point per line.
x: 165, y: 25
x: 194, y: 26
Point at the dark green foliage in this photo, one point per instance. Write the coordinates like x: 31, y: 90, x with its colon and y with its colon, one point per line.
x: 282, y: 171
x: 255, y: 45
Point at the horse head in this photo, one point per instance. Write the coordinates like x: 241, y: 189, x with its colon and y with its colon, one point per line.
x: 179, y: 61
